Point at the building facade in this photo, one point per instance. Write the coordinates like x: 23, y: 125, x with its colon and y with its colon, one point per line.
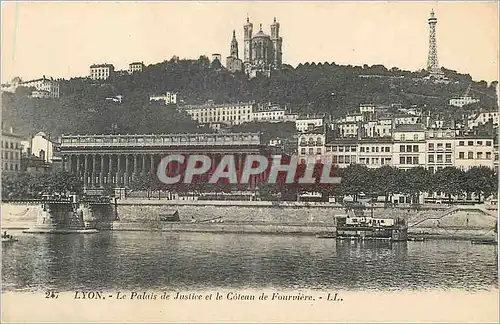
x: 135, y: 67
x: 483, y: 118
x: 44, y: 87
x: 229, y: 114
x: 48, y: 87
x: 311, y: 146
x: 43, y: 147
x: 11, y: 152
x: 473, y: 151
x: 372, y: 153
x: 462, y: 101
x: 269, y: 113
x: 262, y: 53
x: 303, y: 124
x: 100, y: 160
x: 168, y: 98
x: 409, y: 146
x: 101, y: 71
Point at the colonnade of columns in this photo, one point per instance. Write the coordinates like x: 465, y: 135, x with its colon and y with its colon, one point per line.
x: 96, y: 169
x: 99, y: 169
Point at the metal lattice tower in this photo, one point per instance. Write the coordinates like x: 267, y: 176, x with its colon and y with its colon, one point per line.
x: 432, y: 60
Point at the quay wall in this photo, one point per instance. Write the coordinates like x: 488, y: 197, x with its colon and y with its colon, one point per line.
x: 265, y: 217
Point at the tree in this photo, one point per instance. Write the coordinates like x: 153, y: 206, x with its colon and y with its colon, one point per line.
x: 450, y: 181
x: 385, y: 181
x: 355, y: 180
x: 418, y: 181
x: 481, y: 181
x: 26, y: 185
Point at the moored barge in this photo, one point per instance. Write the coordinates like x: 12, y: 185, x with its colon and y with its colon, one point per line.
x: 365, y: 227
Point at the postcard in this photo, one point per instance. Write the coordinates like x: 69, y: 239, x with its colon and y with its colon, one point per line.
x: 242, y: 161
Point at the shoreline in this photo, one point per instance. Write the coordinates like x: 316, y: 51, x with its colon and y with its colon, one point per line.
x: 264, y: 217
x: 253, y: 229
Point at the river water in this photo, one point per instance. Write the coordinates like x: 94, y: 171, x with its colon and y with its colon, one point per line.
x: 168, y: 261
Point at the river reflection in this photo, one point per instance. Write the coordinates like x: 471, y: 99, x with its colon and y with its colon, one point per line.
x: 155, y: 260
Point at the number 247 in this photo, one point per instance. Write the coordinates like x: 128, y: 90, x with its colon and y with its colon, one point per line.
x: 51, y: 294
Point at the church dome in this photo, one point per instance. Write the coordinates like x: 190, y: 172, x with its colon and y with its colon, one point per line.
x: 260, y: 34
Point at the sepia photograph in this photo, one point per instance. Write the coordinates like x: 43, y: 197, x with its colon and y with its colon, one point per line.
x: 244, y: 161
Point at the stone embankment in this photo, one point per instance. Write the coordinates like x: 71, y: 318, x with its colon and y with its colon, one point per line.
x: 437, y: 221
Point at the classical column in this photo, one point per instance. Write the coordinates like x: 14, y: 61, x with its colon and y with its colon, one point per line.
x: 136, y: 162
x: 77, y: 158
x: 67, y: 164
x: 127, y: 169
x: 110, y: 169
x: 94, y: 170
x: 118, y: 180
x: 101, y: 173
x: 143, y: 166
x: 63, y: 158
x: 152, y: 162
x: 70, y: 164
x: 86, y: 170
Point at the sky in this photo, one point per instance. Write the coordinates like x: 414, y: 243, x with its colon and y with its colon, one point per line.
x: 62, y: 39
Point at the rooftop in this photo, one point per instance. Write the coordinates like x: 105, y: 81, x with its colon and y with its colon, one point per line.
x: 260, y: 34
x: 216, y: 105
x: 410, y: 128
x: 337, y: 141
x: 102, y: 65
x: 154, y: 140
x: 36, y: 80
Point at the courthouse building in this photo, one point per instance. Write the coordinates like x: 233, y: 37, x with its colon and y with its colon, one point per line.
x: 118, y: 159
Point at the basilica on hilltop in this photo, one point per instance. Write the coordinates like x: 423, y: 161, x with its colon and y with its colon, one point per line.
x: 262, y: 53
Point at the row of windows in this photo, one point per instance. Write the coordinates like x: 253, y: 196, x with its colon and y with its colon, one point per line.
x: 377, y: 131
x: 13, y: 155
x: 311, y: 142
x: 471, y: 143
x: 268, y: 117
x: 218, y: 119
x: 11, y: 145
x: 344, y: 159
x: 403, y: 137
x: 375, y: 149
x: 408, y: 160
x: 439, y: 146
x: 347, y: 159
x: 269, y: 113
x: 375, y: 161
x: 205, y: 113
x: 470, y: 155
x: 311, y: 151
x: 94, y: 70
x: 408, y: 148
x: 101, y: 75
x: 10, y: 166
x: 439, y: 158
x: 306, y: 123
x: 341, y: 148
